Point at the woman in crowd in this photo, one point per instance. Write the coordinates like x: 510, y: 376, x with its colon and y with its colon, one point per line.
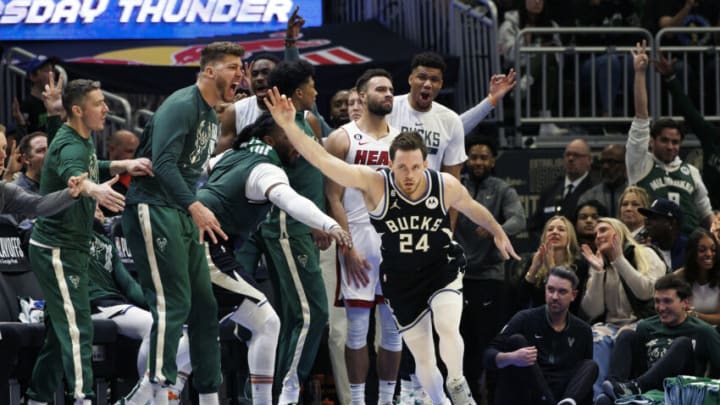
x: 558, y: 247
x: 586, y: 217
x: 620, y: 287
x: 702, y: 271
x: 630, y: 200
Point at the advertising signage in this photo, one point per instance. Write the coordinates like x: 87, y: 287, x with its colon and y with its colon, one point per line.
x: 147, y: 19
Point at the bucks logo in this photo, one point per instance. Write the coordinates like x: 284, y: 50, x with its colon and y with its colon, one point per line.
x: 75, y: 281
x: 161, y: 243
x: 432, y: 203
x: 302, y: 259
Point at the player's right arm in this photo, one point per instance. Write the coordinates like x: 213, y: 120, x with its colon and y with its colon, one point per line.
x: 363, y: 178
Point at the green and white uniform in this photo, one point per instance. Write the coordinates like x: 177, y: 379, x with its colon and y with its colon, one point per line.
x: 164, y: 240
x: 59, y: 257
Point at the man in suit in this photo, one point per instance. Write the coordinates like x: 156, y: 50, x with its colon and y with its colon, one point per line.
x: 561, y: 197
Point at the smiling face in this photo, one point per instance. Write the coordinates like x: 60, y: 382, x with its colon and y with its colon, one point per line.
x: 604, y: 235
x: 629, y: 213
x: 706, y: 254
x: 556, y: 233
x: 425, y: 84
x: 671, y: 309
x: 480, y: 160
x: 666, y: 145
x: 408, y: 167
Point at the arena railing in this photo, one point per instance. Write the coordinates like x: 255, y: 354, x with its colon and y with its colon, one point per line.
x: 582, y: 107
x: 697, y: 68
x: 142, y: 117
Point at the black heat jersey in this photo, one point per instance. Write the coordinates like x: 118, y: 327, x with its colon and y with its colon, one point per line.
x: 415, y: 233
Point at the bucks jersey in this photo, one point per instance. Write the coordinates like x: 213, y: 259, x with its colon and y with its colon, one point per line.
x: 224, y: 193
x: 676, y: 185
x: 364, y: 150
x: 415, y: 233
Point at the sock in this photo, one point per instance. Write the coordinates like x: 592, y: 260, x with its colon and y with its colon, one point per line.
x: 357, y: 394
x: 386, y: 392
x: 209, y: 399
x: 261, y: 389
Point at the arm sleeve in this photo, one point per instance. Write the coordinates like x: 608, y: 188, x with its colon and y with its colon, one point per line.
x: 168, y: 140
x: 129, y: 287
x: 472, y: 117
x: 642, y: 285
x: 300, y: 208
x: 261, y: 178
x: 702, y: 201
x: 593, y: 302
x: 637, y: 158
x: 455, y: 152
x: 20, y: 201
x: 512, y: 212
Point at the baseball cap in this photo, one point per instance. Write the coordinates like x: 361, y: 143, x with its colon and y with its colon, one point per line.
x: 37, y: 62
x: 662, y: 208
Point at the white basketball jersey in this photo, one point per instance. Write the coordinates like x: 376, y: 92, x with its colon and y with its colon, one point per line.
x: 364, y: 150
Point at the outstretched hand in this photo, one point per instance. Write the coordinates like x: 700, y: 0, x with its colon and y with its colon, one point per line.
x: 640, y: 56
x: 52, y: 95
x: 501, y: 84
x: 281, y: 107
x: 505, y: 246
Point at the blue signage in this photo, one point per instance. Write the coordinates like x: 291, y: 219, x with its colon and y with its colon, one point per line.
x: 147, y: 19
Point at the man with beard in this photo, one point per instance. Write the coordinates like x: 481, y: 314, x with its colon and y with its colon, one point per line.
x: 339, y: 109
x: 546, y: 348
x: 673, y: 342
x: 484, y: 280
x: 165, y: 226
x: 613, y: 181
x: 365, y: 142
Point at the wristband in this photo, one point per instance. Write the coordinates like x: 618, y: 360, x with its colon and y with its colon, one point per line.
x: 492, y: 99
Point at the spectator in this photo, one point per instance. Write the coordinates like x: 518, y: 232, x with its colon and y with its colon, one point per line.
x: 631, y: 200
x: 33, y: 108
x: 661, y: 172
x: 586, y: 217
x: 558, y: 247
x: 33, y: 148
x: 613, y: 179
x: 662, y: 222
x: 715, y: 226
x: 561, y: 197
x: 355, y: 105
x: 673, y: 342
x: 702, y: 272
x: 484, y: 281
x: 546, y: 349
x: 619, y: 289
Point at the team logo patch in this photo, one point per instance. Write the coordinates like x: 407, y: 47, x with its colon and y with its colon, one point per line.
x: 75, y: 281
x: 357, y: 137
x: 302, y: 259
x: 394, y: 205
x: 571, y: 341
x: 684, y: 170
x: 432, y: 203
x: 162, y: 243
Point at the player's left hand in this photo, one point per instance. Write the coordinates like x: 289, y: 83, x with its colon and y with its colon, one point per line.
x: 294, y: 24
x: 139, y: 167
x: 323, y: 240
x: 500, y: 85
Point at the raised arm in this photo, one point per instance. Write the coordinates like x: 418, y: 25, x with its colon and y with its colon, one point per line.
x: 637, y: 160
x: 640, y: 64
x: 457, y: 196
x: 363, y: 178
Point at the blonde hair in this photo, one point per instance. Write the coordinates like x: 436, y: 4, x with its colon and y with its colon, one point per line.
x: 571, y: 249
x: 626, y: 239
x: 639, y: 191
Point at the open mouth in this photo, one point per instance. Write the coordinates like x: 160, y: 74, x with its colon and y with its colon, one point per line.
x: 260, y: 90
x: 425, y: 96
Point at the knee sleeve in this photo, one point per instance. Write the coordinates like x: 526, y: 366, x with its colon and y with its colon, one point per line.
x: 264, y: 324
x: 358, y: 323
x: 390, y: 337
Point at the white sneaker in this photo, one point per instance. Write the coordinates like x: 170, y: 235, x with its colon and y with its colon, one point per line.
x: 460, y: 392
x: 422, y: 398
x: 140, y: 394
x: 550, y: 129
x: 290, y: 393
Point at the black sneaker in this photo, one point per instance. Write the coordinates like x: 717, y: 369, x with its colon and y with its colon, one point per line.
x: 616, y: 390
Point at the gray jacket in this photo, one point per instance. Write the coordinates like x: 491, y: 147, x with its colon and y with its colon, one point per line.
x: 15, y: 200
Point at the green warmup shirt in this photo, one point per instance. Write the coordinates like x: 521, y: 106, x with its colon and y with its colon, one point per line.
x: 108, y: 277
x: 677, y: 186
x: 224, y: 193
x: 68, y: 155
x: 178, y: 153
x: 307, y: 181
x: 656, y: 337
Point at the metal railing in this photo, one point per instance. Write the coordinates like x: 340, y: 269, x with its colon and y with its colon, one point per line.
x: 582, y: 96
x: 693, y: 61
x: 142, y: 117
x: 14, y: 83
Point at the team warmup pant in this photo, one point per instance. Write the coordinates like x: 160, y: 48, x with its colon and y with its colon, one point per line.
x: 67, y: 349
x: 173, y: 271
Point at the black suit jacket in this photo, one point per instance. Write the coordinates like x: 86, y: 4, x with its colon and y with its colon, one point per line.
x: 552, y: 203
